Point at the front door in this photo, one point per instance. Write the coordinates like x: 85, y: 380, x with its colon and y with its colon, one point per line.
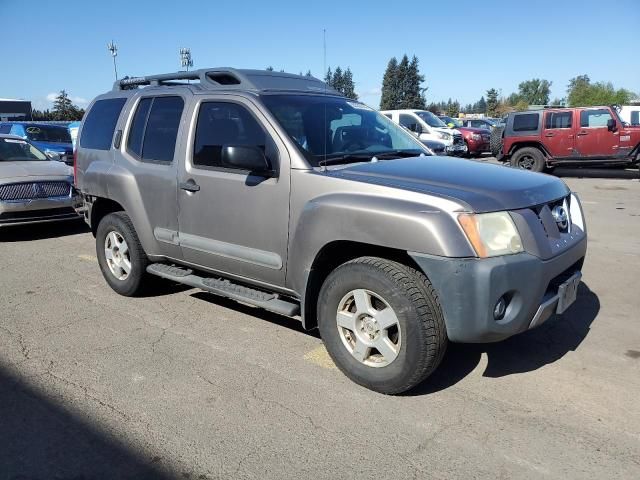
x: 231, y: 220
x: 559, y: 136
x: 593, y: 138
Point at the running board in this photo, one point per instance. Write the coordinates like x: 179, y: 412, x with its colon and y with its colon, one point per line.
x: 226, y: 288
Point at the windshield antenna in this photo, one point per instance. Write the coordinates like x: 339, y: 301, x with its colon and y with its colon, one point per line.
x: 324, y: 67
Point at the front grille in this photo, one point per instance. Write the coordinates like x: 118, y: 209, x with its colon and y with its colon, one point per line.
x: 553, y: 228
x: 457, y: 139
x: 34, y: 190
x: 33, y: 215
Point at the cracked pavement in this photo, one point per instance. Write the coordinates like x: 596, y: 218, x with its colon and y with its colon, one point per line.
x: 185, y: 384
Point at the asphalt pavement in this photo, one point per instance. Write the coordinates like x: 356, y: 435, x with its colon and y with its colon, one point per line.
x: 186, y: 385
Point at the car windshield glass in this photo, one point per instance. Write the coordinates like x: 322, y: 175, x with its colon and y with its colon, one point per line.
x: 451, y: 122
x: 335, y: 128
x: 431, y: 120
x: 48, y: 133
x: 16, y: 150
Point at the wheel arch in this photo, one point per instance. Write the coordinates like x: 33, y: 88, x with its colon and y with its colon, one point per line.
x: 331, y: 256
x: 532, y: 144
x: 100, y: 208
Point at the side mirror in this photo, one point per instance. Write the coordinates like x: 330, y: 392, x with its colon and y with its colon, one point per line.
x: 245, y: 157
x: 611, y: 125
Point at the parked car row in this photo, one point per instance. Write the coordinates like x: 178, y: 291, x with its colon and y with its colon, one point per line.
x: 54, y: 140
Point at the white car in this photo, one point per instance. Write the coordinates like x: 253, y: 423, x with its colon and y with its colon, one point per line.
x: 630, y: 114
x: 426, y: 126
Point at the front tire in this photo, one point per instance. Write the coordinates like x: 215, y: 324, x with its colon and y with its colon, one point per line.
x: 121, y: 257
x: 528, y: 158
x: 382, y: 324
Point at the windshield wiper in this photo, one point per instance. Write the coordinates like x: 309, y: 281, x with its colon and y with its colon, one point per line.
x: 368, y: 156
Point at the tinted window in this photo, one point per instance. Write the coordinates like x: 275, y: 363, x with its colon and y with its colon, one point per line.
x: 136, y: 134
x: 525, y: 122
x: 409, y: 122
x: 558, y: 120
x: 635, y: 118
x: 5, y: 128
x: 48, y: 133
x: 99, y: 124
x: 221, y: 124
x: 594, y: 118
x: 162, y: 129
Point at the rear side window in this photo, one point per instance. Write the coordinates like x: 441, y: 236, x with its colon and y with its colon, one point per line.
x: 154, y: 129
x: 557, y: 120
x: 100, y: 123
x: 635, y: 118
x: 594, y: 118
x: 5, y: 128
x: 526, y: 122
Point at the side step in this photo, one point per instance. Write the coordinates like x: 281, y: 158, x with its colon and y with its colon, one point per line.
x: 226, y: 288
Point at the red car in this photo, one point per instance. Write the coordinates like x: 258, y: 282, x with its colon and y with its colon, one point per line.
x: 477, y: 140
x: 586, y: 136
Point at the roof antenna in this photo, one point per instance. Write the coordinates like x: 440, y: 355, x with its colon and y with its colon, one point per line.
x: 324, y: 72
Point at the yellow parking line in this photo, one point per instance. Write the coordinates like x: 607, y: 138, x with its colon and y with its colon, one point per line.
x: 88, y: 258
x: 319, y: 356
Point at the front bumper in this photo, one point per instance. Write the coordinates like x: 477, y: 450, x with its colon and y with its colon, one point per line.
x: 469, y: 288
x: 456, y: 149
x: 478, y: 146
x: 39, y: 210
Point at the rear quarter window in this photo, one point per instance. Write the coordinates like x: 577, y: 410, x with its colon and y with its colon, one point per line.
x: 100, y: 123
x: 526, y: 122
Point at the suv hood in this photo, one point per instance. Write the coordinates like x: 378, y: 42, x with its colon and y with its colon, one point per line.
x: 34, y: 168
x: 482, y: 187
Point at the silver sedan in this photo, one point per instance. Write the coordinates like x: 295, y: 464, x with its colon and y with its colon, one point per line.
x: 33, y: 188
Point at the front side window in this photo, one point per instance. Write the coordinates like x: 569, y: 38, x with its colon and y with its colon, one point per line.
x: 409, y: 122
x: 222, y: 124
x: 526, y: 122
x: 16, y: 150
x: 635, y: 117
x: 154, y: 129
x: 339, y: 129
x: 100, y: 123
x: 431, y: 120
x: 557, y: 120
x: 594, y: 118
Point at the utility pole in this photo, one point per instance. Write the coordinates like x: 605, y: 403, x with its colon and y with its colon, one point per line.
x: 185, y: 58
x: 113, y: 49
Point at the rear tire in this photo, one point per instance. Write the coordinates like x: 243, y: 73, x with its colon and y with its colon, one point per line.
x: 395, y: 335
x: 528, y: 158
x: 122, y: 259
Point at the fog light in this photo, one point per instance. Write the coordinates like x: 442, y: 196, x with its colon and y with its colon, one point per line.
x: 500, y: 309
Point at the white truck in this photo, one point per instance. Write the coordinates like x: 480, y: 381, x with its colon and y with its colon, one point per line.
x: 426, y: 126
x: 630, y: 114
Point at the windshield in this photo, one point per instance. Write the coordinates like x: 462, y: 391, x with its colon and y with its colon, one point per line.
x: 431, y: 120
x: 327, y: 128
x: 15, y: 150
x: 48, y: 133
x: 451, y: 122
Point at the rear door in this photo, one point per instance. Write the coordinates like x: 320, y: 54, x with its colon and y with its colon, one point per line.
x: 593, y: 138
x: 559, y: 135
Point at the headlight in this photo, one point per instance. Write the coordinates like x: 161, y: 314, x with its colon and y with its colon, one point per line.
x: 476, y: 136
x: 444, y: 136
x: 52, y: 154
x: 491, y: 234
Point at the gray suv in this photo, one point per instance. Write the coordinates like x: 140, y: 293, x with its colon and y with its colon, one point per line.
x: 276, y: 191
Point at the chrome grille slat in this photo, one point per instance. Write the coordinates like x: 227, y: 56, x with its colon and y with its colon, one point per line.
x: 34, y: 190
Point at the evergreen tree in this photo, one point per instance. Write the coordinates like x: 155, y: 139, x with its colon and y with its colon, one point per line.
x: 481, y: 107
x: 492, y: 102
x: 412, y: 96
x: 349, y: 88
x: 338, y: 80
x: 403, y: 79
x: 308, y: 74
x: 390, y: 95
x: 269, y: 68
x: 64, y: 109
x: 328, y: 78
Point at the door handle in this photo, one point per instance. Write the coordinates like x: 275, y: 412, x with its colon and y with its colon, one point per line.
x: 189, y: 186
x: 550, y: 135
x: 580, y: 134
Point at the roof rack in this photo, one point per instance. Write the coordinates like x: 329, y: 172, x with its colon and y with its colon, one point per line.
x: 231, y: 79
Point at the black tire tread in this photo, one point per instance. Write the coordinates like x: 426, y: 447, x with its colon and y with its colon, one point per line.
x: 425, y: 299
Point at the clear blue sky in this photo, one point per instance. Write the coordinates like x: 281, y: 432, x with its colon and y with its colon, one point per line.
x: 464, y: 47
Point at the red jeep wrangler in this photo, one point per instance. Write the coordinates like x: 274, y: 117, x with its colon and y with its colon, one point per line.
x: 586, y: 136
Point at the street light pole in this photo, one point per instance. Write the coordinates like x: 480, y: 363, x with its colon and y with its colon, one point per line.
x: 185, y: 58
x: 113, y: 49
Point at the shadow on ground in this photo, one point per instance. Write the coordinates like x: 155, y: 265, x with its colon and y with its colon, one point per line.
x: 526, y: 352
x: 40, y: 439
x: 41, y: 231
